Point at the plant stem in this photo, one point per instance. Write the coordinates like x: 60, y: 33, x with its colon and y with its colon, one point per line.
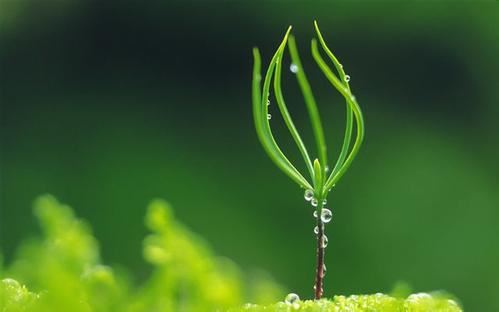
x: 319, y: 272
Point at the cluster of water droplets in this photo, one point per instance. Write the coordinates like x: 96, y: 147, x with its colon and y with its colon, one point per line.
x: 325, y: 215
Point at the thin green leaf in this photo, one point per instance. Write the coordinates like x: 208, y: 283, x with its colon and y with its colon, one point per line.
x: 313, y: 111
x: 287, y: 118
x: 260, y: 111
x: 318, y: 181
x: 349, y: 114
x: 356, y: 111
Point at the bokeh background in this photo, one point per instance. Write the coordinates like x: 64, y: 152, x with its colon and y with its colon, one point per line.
x: 108, y: 104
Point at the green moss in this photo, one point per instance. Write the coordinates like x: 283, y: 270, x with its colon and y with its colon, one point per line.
x: 365, y: 303
x: 62, y: 271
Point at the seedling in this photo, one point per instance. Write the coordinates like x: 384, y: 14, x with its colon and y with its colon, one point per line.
x: 321, y: 180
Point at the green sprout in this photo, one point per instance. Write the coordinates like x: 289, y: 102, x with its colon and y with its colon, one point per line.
x: 321, y: 180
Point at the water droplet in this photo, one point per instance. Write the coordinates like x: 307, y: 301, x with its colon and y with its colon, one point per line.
x: 327, y: 168
x: 324, y: 241
x: 324, y: 202
x: 314, y: 202
x: 323, y: 273
x: 309, y: 194
x: 292, y: 298
x: 293, y: 68
x: 268, y: 102
x: 269, y: 116
x: 316, y: 230
x: 347, y: 78
x: 315, y: 214
x: 326, y: 215
x: 324, y: 267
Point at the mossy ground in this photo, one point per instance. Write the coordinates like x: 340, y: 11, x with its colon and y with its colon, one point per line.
x: 62, y: 271
x: 363, y: 303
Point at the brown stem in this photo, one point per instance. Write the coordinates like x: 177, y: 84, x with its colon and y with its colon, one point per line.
x: 319, y: 272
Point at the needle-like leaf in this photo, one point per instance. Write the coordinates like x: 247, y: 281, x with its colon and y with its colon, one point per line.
x: 313, y: 111
x: 260, y: 113
x: 287, y: 118
x: 349, y: 113
x: 344, y: 90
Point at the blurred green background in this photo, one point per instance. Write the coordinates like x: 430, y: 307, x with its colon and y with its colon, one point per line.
x: 107, y: 104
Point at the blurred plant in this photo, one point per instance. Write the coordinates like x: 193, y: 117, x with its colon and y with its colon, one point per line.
x: 64, y: 271
x: 322, y: 181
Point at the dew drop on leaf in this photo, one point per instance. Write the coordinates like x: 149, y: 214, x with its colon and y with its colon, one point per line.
x: 293, y: 68
x: 268, y: 102
x: 269, y: 116
x: 347, y: 78
x: 326, y: 215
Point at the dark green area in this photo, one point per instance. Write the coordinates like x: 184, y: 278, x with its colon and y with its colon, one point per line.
x: 107, y: 105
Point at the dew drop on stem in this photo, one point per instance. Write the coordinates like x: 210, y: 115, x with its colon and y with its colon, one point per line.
x: 347, y: 78
x: 316, y: 230
x: 309, y: 194
x: 326, y: 215
x: 324, y: 241
x: 269, y: 116
x: 293, y: 68
x: 314, y: 202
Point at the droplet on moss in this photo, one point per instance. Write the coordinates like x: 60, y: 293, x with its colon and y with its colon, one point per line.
x: 292, y: 298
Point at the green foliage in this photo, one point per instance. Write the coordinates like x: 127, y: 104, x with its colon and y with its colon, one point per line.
x: 320, y: 178
x: 367, y: 303
x: 64, y: 272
